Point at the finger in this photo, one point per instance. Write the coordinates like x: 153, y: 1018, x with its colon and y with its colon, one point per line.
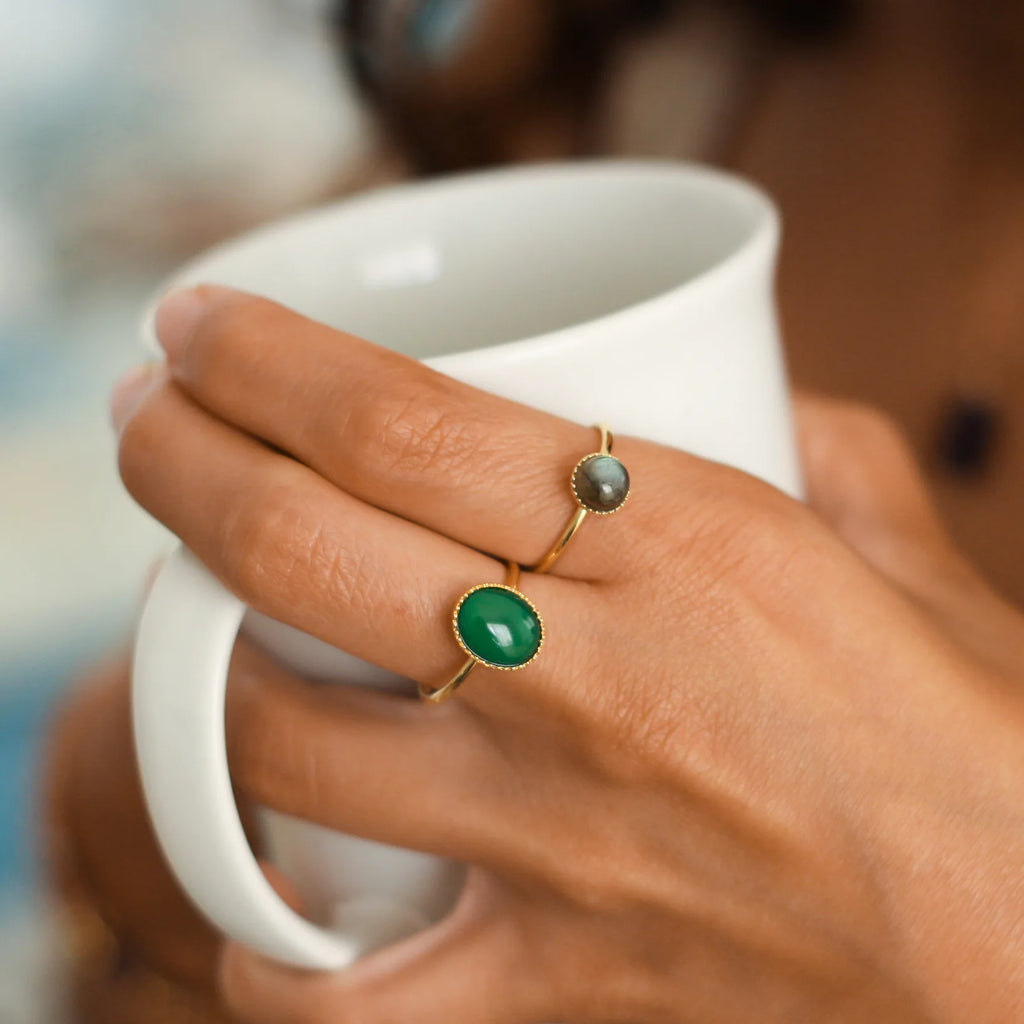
x: 467, y: 968
x: 863, y: 479
x: 490, y: 473
x: 292, y: 545
x: 370, y: 764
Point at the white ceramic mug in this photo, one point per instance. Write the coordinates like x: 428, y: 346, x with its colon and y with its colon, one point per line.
x: 636, y: 294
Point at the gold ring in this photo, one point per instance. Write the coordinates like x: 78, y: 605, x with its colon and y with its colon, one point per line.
x: 600, y: 484
x: 496, y: 626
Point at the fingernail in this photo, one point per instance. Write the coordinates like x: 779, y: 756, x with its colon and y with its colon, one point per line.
x: 177, y: 316
x: 129, y: 391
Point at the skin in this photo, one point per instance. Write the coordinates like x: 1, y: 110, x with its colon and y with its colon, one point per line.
x: 780, y: 781
x: 893, y: 148
x: 895, y: 154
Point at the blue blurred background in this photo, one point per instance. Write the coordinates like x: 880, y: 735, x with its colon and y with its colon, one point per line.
x: 131, y: 136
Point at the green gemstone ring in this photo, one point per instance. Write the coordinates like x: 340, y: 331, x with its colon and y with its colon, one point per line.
x: 496, y: 626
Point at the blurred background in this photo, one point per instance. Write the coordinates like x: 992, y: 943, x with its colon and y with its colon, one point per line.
x: 133, y: 135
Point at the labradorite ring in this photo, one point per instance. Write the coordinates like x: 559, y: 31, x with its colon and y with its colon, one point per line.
x: 496, y: 626
x: 600, y: 484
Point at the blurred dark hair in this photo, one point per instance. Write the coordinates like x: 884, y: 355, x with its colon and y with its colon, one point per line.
x: 442, y: 109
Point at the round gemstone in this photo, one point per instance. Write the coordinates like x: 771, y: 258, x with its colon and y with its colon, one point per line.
x: 498, y: 626
x: 601, y: 483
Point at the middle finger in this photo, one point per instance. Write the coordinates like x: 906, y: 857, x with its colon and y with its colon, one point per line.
x: 490, y: 473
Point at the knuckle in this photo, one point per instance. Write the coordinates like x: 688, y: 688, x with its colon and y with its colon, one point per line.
x: 737, y: 530
x: 743, y: 550
x: 765, y: 541
x: 652, y: 730
x: 412, y: 430
x: 265, y: 538
x: 769, y: 559
x: 690, y: 515
x: 594, y: 896
x: 277, y: 550
x: 643, y: 733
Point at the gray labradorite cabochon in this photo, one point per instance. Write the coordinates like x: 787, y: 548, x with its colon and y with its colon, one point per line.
x: 601, y: 483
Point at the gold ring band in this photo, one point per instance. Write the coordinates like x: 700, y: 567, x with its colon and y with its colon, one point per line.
x: 496, y: 626
x: 585, y: 501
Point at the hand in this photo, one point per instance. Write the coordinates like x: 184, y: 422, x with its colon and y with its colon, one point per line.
x: 137, y: 950
x: 754, y: 773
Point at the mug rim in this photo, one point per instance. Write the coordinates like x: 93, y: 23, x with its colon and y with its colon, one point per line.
x: 762, y: 236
